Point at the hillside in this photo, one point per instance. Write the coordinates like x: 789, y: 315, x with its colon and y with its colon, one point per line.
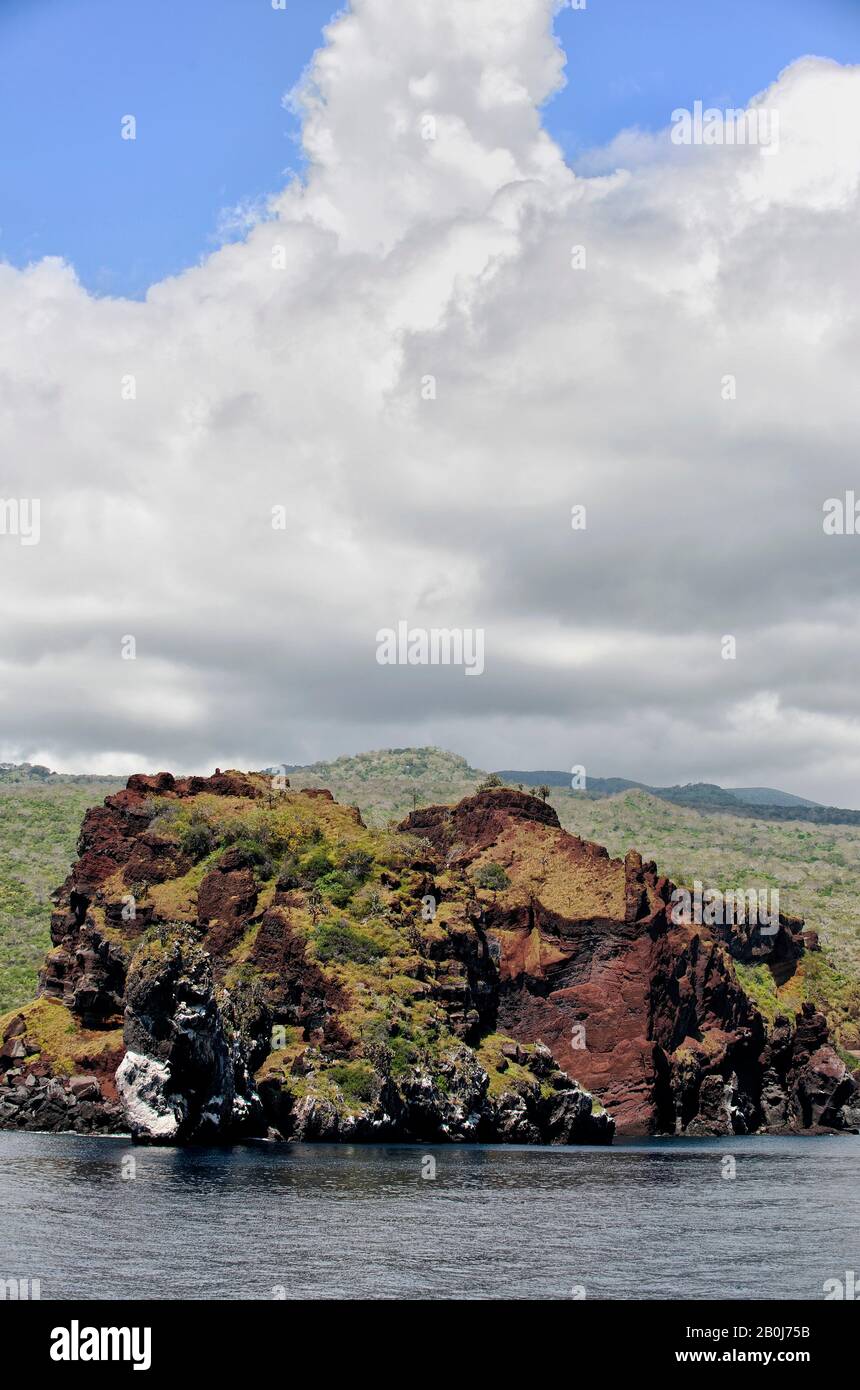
x: 232, y: 960
x: 390, y: 782
x: 20, y: 775
x: 769, y: 796
x: 760, y: 803
x: 40, y: 821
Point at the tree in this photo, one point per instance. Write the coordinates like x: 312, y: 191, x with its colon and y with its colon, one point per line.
x: 489, y: 782
x: 543, y: 792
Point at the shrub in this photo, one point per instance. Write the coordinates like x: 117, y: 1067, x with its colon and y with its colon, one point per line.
x: 371, y: 903
x: 254, y: 855
x: 197, y: 842
x: 289, y: 874
x: 404, y: 1055
x: 338, y: 941
x: 492, y: 876
x: 356, y: 1081
x: 359, y: 864
x: 316, y: 864
x: 337, y: 887
x: 163, y: 815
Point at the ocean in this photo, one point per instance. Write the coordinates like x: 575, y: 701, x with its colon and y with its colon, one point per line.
x: 752, y: 1218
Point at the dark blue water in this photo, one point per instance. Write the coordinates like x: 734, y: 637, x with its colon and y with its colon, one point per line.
x: 650, y: 1220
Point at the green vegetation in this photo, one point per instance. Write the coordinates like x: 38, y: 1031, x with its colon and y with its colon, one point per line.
x: 492, y: 877
x: 390, y: 783
x: 759, y: 984
x: 492, y: 780
x: 39, y: 827
x: 338, y: 941
x: 60, y: 1038
x: 814, y: 865
x: 319, y: 848
x: 356, y: 1082
x: 505, y: 1074
x: 316, y: 864
x: 196, y: 841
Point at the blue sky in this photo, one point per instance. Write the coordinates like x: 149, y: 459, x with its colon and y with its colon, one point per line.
x: 205, y: 79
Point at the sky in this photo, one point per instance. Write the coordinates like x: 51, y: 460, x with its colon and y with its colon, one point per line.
x: 206, y: 80
x: 286, y: 295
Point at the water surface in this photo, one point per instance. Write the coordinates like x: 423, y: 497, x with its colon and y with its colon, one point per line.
x: 655, y: 1219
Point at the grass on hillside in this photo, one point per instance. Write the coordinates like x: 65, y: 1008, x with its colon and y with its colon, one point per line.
x: 39, y: 828
x: 390, y: 783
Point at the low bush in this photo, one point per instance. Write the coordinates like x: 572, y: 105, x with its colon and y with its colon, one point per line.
x: 338, y: 941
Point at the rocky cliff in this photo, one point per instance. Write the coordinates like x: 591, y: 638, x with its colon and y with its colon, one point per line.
x: 233, y: 959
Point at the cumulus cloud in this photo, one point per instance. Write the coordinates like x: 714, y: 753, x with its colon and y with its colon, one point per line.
x: 431, y: 235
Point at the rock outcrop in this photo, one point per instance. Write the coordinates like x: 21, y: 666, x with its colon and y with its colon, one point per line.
x: 232, y: 959
x: 647, y: 1013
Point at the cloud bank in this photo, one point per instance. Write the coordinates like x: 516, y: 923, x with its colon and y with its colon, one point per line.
x: 409, y: 356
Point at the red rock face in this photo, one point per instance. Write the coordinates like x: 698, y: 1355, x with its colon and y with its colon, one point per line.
x: 477, y: 821
x: 595, y: 990
x: 645, y: 1013
x: 586, y: 999
x: 226, y: 900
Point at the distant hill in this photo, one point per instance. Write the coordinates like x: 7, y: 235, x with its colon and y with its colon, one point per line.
x: 35, y: 775
x: 419, y: 770
x: 761, y: 802
x: 25, y: 772
x: 389, y: 782
x: 597, y: 786
x: 768, y: 796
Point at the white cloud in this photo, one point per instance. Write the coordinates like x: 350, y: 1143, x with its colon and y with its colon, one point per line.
x: 403, y: 258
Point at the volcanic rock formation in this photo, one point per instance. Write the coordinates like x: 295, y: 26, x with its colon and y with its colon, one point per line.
x: 233, y: 959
